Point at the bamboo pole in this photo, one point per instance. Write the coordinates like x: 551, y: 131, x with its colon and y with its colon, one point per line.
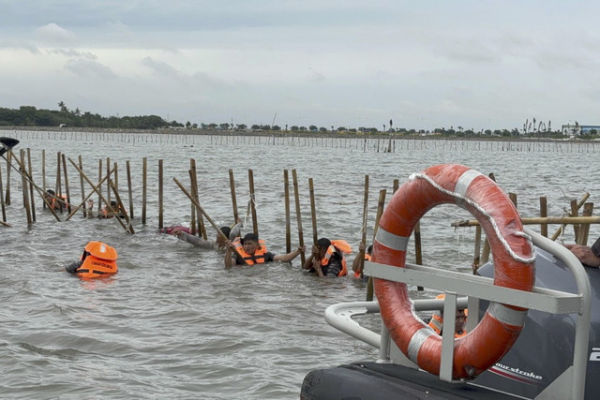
x: 95, y: 189
x: 80, y: 161
x: 44, y: 173
x: 298, y: 215
x: 286, y: 192
x: 193, y: 190
x: 116, y: 175
x: 107, y: 185
x: 380, y: 205
x: 208, y: 218
x: 418, y: 248
x: 363, y: 240
x: 29, y: 179
x: 575, y: 213
x: 313, y: 210
x: 252, y: 202
x: 25, y: 191
x: 30, y: 185
x: 99, y: 191
x: 100, y: 188
x: 129, y: 190
x: 233, y: 199
x: 579, y: 205
x: 584, y: 231
x: 544, y: 214
x: 58, y: 183
x: 160, y: 194
x: 8, y: 164
x: 477, y: 250
x: 2, y: 205
x: 121, y: 205
x: 64, y: 163
x: 539, y: 220
x: 144, y: 188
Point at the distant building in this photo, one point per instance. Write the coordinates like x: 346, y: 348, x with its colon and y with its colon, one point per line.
x: 577, y: 129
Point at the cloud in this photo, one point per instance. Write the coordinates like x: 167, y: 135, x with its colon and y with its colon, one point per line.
x: 53, y: 33
x: 161, y: 68
x: 89, y: 69
x: 72, y: 53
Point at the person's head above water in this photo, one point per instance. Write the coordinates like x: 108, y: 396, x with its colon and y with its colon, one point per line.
x: 250, y: 242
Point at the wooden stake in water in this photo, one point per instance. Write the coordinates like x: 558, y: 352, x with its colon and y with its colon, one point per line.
x: 95, y: 189
x: 144, y: 188
x: 129, y: 191
x: 313, y: 210
x: 380, y: 206
x: 128, y: 228
x: 286, y: 192
x: 44, y: 174
x: 80, y: 161
x: 298, y: 215
x: 24, y: 186
x: 193, y: 190
x: 253, y: 202
x: 2, y: 198
x: 31, y: 198
x: 100, y: 188
x: 58, y: 183
x: 64, y: 163
x: 8, y: 160
x: 543, y: 214
x: 584, y: 229
x: 233, y: 199
x: 108, y: 185
x: 579, y: 205
x: 363, y: 240
x: 160, y: 194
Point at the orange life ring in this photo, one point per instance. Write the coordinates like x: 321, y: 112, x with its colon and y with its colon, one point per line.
x: 513, y: 267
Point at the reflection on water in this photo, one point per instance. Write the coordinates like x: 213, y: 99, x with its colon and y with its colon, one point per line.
x: 173, y: 323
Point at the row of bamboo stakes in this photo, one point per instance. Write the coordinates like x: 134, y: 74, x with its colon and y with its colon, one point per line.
x: 581, y: 223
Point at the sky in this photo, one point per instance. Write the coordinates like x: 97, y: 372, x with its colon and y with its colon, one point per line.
x: 424, y: 65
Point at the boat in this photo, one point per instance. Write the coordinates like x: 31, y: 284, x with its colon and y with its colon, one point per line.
x: 554, y: 355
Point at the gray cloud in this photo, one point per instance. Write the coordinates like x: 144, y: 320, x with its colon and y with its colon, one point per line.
x: 53, y: 33
x: 89, y: 69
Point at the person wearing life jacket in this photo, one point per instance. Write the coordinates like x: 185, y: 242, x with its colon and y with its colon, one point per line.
x: 55, y: 201
x: 356, y: 263
x: 250, y: 250
x: 220, y: 242
x: 98, y: 260
x: 437, y: 320
x: 327, y: 258
x: 112, y: 211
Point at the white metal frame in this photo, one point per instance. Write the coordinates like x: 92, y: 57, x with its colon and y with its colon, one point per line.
x: 569, y: 385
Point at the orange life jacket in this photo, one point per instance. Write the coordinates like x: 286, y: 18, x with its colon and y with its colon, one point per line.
x: 98, y: 260
x: 341, y: 247
x: 55, y: 204
x: 259, y: 255
x: 367, y: 258
x: 437, y: 322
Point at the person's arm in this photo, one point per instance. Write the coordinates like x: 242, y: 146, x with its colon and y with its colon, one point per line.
x: 314, y: 262
x: 585, y: 254
x: 289, y: 256
x: 228, y: 255
x: 195, y: 240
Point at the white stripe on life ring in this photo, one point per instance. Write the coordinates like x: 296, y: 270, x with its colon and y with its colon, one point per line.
x: 391, y: 240
x: 465, y: 180
x: 507, y: 315
x: 416, y: 341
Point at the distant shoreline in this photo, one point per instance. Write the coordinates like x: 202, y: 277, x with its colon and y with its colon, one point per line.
x: 344, y: 135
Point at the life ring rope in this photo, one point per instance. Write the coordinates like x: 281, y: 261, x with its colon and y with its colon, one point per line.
x: 463, y: 184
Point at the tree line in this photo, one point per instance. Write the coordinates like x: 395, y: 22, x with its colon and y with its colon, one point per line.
x: 63, y: 117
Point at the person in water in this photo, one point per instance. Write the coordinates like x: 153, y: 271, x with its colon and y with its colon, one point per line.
x: 220, y: 243
x: 249, y: 250
x: 112, y: 211
x: 356, y: 262
x: 437, y: 320
x: 55, y: 202
x: 327, y: 258
x: 589, y: 256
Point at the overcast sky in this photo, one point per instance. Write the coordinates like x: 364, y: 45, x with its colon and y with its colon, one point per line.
x: 423, y: 64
